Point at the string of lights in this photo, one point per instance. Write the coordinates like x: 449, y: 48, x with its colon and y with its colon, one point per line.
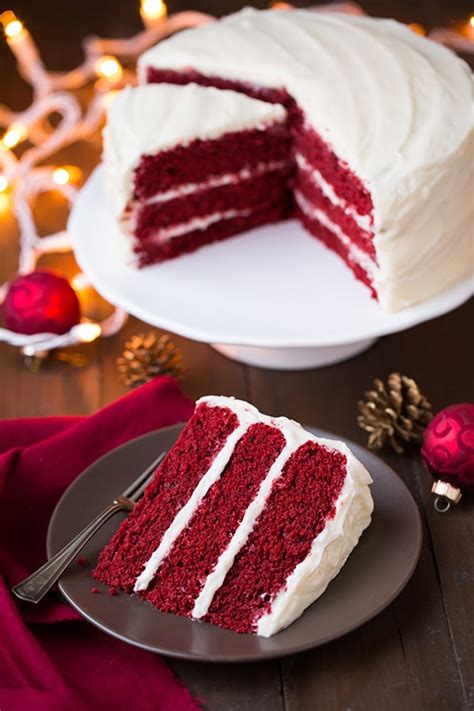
x: 23, y: 180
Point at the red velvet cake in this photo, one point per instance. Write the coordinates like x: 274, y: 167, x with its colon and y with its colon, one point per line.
x: 246, y: 522
x: 366, y: 147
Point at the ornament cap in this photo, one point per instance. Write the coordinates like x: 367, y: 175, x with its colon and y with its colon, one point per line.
x: 442, y: 488
x: 447, y: 494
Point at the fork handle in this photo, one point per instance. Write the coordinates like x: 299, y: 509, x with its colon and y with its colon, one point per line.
x: 35, y: 586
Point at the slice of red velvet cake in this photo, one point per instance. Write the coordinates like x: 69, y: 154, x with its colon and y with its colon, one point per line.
x: 186, y: 168
x: 246, y: 522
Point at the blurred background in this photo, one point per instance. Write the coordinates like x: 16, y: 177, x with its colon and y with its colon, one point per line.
x: 59, y: 26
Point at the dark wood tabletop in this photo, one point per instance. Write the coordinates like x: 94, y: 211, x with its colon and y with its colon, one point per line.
x: 419, y: 652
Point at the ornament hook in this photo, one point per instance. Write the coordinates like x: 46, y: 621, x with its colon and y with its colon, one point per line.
x: 442, y: 504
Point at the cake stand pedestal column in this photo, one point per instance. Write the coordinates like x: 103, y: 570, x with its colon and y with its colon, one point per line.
x: 293, y: 358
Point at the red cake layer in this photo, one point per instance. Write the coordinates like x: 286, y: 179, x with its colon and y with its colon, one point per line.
x: 201, y: 159
x: 325, y: 235
x: 343, y: 181
x: 299, y: 505
x: 151, y: 252
x: 269, y: 188
x: 306, y: 141
x: 138, y: 536
x: 190, y: 76
x: 313, y: 193
x: 196, y: 551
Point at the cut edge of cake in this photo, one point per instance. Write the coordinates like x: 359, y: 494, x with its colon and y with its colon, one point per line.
x: 173, y: 189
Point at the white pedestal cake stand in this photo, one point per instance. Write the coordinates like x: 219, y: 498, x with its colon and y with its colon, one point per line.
x: 273, y: 297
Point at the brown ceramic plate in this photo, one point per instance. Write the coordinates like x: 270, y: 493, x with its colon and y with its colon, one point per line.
x: 374, y: 575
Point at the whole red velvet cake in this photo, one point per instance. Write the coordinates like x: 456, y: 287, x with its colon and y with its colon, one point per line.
x: 343, y: 122
x: 246, y: 522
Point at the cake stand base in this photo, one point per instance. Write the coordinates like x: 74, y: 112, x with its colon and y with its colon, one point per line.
x: 293, y: 358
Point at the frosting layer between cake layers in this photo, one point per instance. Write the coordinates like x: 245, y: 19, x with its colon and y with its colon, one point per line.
x: 337, y: 535
x: 395, y: 108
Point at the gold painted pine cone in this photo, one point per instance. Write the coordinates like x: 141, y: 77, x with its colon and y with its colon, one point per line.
x: 147, y: 355
x: 394, y: 413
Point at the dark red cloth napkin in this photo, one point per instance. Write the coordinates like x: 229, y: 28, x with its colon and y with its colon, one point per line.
x: 50, y: 660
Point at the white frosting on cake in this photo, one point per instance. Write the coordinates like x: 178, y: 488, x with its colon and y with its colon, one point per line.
x: 362, y: 221
x: 396, y: 107
x: 147, y: 119
x: 184, y: 515
x: 329, y: 551
x: 330, y: 548
x: 215, y: 181
x: 295, y: 436
x: 128, y: 222
x: 197, y: 223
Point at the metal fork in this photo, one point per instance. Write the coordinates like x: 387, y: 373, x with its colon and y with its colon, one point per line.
x: 35, y: 586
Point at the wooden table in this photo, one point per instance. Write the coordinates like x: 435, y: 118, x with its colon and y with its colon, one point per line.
x: 418, y: 653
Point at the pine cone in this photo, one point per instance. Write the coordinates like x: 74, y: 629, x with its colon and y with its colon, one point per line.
x: 147, y: 355
x: 395, y: 413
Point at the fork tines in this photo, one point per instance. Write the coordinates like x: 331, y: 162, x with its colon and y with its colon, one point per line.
x: 136, y: 489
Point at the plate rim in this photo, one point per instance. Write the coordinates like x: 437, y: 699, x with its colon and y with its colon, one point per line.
x: 258, y: 657
x: 443, y: 303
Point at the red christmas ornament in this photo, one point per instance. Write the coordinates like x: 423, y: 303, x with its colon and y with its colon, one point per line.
x: 448, y: 453
x: 41, y: 302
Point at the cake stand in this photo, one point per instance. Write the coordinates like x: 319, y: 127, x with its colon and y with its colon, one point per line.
x: 272, y: 297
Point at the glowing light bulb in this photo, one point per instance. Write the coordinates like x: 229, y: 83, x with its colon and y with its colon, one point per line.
x: 66, y: 174
x: 11, y: 24
x: 14, y: 135
x: 60, y: 176
x: 5, y: 202
x: 281, y: 6
x: 80, y: 282
x: 469, y: 28
x: 109, y: 97
x: 109, y: 68
x: 153, y: 10
x: 417, y: 28
x: 88, y: 331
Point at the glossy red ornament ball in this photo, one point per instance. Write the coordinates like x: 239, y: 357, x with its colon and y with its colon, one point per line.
x: 448, y: 446
x: 41, y: 302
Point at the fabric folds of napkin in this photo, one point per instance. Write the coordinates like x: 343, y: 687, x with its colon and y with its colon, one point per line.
x: 51, y: 660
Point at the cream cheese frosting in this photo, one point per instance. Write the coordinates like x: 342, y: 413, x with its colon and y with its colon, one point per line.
x: 394, y: 106
x: 330, y: 548
x: 329, y: 551
x: 356, y: 254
